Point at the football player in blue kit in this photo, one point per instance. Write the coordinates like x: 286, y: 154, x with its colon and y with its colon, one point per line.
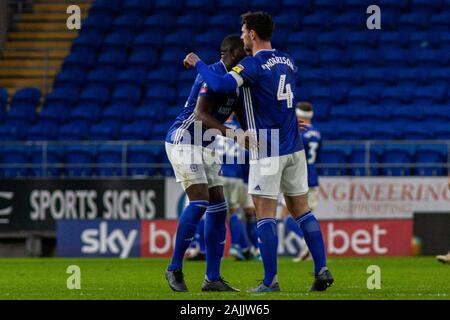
x: 267, y: 78
x: 197, y: 168
x: 312, y: 141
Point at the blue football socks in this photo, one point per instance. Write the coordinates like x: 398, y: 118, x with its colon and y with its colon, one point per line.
x: 187, y: 224
x: 215, y: 233
x: 268, y: 245
x: 313, y: 238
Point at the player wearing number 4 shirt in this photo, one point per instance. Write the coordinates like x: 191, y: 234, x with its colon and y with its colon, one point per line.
x: 268, y: 84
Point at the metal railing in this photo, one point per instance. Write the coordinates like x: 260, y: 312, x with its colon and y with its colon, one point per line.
x: 42, y: 155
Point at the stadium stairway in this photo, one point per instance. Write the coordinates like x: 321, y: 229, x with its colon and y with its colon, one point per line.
x: 37, y: 45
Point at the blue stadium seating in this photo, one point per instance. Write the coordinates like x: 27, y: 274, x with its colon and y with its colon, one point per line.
x: 107, y: 130
x: 358, y: 160
x: 14, y: 160
x: 48, y: 164
x: 78, y: 160
x: 124, y: 70
x: 430, y: 155
x: 396, y: 160
x: 42, y: 132
x: 140, y: 159
x: 109, y: 160
x: 333, y: 158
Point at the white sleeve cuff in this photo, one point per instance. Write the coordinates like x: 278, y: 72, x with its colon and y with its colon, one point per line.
x: 237, y: 77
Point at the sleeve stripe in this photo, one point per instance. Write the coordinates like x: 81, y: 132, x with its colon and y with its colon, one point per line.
x: 237, y: 77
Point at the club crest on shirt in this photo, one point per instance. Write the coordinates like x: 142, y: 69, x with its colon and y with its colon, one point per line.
x: 204, y: 88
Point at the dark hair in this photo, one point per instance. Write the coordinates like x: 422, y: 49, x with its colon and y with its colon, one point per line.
x: 305, y: 106
x: 260, y: 22
x: 232, y: 42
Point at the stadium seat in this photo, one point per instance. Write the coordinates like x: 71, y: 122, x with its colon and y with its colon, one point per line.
x: 149, y: 40
x: 317, y: 21
x: 412, y: 76
x: 431, y: 160
x: 12, y: 131
x: 191, y: 21
x: 231, y: 6
x: 396, y: 161
x: 348, y: 130
x: 54, y: 113
x: 101, y: 6
x: 439, y: 76
x: 70, y: 79
x: 296, y: 6
x: 14, y: 161
x: 94, y: 95
x: 435, y: 113
x: 165, y: 6
x: 26, y: 97
x: 88, y: 41
x: 73, y: 131
x: 42, y: 131
x: 132, y: 76
x: 414, y: 21
x: 109, y: 160
x: 107, y: 130
x: 441, y: 131
x: 349, y: 21
x: 141, y: 160
x: 158, y: 22
x: 63, y: 96
x: 399, y: 94
x: 139, y: 130
x: 333, y: 161
x: 82, y: 60
x: 408, y: 113
x: 119, y: 112
x: 165, y: 76
x: 160, y: 93
x: 46, y: 160
x: 137, y: 6
x: 98, y: 22
x: 417, y: 131
x: 362, y: 161
x: 119, y: 40
x: 199, y: 5
x: 87, y: 112
x: 22, y: 113
x: 143, y: 59
x: 128, y: 22
x: 101, y: 77
x: 432, y: 93
x: 115, y: 58
x: 79, y: 160
x: 3, y: 98
x: 440, y: 20
x: 127, y: 94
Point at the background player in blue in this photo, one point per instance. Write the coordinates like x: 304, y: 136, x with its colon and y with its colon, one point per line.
x: 312, y: 141
x: 198, y: 170
x: 268, y: 77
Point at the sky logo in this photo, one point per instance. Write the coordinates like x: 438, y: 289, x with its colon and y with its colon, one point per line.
x: 98, y: 238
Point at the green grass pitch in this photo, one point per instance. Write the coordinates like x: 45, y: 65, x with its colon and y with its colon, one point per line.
x: 401, y: 278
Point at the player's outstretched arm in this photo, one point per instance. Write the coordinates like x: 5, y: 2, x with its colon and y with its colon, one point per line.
x: 216, y: 81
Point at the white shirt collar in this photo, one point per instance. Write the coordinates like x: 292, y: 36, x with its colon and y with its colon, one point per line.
x: 223, y: 64
x: 263, y: 50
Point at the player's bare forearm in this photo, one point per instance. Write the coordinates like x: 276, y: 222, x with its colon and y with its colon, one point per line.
x: 203, y: 113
